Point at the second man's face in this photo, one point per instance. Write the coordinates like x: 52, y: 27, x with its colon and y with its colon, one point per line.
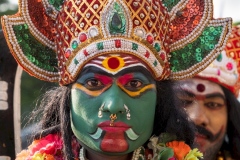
x: 205, y: 103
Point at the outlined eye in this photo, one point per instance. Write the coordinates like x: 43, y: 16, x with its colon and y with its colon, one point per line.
x: 134, y: 84
x: 94, y: 84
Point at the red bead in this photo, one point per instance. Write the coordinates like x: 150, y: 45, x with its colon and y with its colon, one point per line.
x: 150, y: 39
x: 117, y: 43
x: 82, y: 37
x: 113, y: 63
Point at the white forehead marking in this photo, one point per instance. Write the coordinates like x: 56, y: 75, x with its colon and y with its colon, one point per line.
x: 191, y: 85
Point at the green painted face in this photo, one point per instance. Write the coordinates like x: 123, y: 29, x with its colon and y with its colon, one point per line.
x: 129, y: 97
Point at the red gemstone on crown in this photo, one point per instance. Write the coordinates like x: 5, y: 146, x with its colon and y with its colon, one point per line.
x: 150, y: 39
x: 67, y: 53
x: 85, y: 52
x: 82, y: 37
x: 147, y: 54
x: 117, y: 43
x: 113, y: 63
x: 162, y: 55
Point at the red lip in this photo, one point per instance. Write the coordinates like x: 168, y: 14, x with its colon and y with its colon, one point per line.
x: 118, y: 126
x: 200, y: 138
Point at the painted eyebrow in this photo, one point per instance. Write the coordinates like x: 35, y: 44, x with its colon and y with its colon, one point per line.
x: 94, y: 70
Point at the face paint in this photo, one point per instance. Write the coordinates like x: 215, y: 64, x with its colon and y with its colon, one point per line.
x: 204, y: 102
x: 129, y: 95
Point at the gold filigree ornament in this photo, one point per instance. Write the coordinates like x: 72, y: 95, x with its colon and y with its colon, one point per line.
x: 53, y: 39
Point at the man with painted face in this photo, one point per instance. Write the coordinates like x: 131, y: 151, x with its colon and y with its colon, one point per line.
x: 114, y: 60
x: 210, y: 99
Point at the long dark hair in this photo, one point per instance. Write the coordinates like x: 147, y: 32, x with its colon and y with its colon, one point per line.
x: 232, y: 144
x: 54, y: 108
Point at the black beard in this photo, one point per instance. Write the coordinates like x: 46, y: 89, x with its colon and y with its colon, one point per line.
x: 211, y: 153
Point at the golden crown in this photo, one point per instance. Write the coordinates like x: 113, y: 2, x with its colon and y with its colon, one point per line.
x: 53, y: 40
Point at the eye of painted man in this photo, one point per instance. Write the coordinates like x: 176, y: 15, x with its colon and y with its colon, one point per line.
x: 134, y: 85
x: 94, y: 84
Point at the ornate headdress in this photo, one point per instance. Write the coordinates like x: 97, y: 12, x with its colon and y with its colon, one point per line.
x: 53, y: 40
x: 225, y: 69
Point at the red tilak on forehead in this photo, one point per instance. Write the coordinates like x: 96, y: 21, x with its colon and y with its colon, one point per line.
x: 125, y: 78
x: 200, y: 97
x: 113, y: 63
x: 200, y: 87
x: 104, y: 79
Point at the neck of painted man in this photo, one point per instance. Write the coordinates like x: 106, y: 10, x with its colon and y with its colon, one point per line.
x: 91, y: 155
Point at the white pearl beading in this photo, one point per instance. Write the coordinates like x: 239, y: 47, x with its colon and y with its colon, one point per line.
x: 36, y: 33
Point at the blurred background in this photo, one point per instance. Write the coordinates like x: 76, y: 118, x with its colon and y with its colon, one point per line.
x: 32, y: 88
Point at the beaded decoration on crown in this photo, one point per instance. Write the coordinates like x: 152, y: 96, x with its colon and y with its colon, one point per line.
x: 225, y: 69
x: 53, y: 39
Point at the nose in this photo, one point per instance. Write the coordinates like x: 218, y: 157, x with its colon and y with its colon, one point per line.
x: 114, y: 100
x: 198, y: 114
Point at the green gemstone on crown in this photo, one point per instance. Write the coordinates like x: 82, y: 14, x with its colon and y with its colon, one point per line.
x: 219, y: 58
x: 117, y: 20
x: 100, y: 46
x: 76, y: 61
x: 134, y: 46
x: 74, y: 44
x: 157, y: 47
x: 155, y: 63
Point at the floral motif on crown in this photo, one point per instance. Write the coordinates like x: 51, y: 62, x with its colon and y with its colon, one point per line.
x: 53, y: 40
